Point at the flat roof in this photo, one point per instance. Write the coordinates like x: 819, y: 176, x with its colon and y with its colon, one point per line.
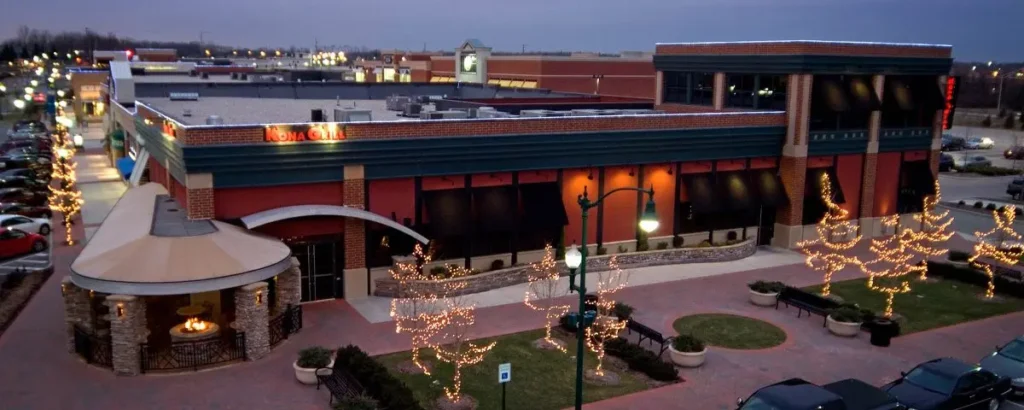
x: 852, y: 43
x: 259, y: 111
x: 183, y: 78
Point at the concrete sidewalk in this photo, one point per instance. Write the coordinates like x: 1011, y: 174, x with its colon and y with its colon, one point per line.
x: 100, y: 183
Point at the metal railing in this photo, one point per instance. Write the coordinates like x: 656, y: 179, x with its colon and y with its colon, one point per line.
x: 285, y: 324
x: 94, y: 349
x: 193, y: 354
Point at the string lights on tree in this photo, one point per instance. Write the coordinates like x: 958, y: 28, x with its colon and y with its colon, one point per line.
x: 990, y: 247
x: 542, y: 292
x: 451, y: 343
x: 65, y: 197
x: 893, y: 262
x: 414, y: 311
x: 929, y: 242
x: 607, y: 325
x: 836, y: 236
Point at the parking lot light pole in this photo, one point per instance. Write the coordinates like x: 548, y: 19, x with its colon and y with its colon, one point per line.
x: 575, y: 259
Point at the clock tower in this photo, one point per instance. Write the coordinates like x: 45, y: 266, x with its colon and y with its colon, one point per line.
x: 471, y: 62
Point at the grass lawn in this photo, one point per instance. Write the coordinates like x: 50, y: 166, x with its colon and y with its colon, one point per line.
x: 929, y: 304
x: 541, y: 379
x: 731, y: 331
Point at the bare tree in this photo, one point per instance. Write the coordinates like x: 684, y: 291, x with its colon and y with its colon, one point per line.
x: 452, y: 341
x: 414, y: 310
x: 542, y: 292
x: 606, y: 324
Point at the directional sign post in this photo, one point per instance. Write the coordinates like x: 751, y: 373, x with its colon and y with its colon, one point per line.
x: 504, y: 376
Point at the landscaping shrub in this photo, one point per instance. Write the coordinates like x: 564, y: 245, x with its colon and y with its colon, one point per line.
x: 677, y: 241
x: 961, y: 203
x: 623, y: 249
x: 990, y: 207
x: 1018, y: 211
x: 641, y: 244
x: 360, y: 402
x: 987, y: 122
x: 989, y: 170
x: 731, y: 236
x: 497, y: 264
x: 623, y: 311
x: 847, y: 314
x: 979, y: 205
x: 314, y: 357
x: 602, y: 250
x: 389, y: 392
x: 704, y: 244
x: 439, y: 271
x: 959, y: 256
x: 1004, y: 284
x: 642, y: 360
x: 766, y: 287
x: 1009, y: 123
x: 688, y: 344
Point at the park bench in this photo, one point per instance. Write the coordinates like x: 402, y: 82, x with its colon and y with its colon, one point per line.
x: 339, y: 382
x: 806, y: 302
x: 652, y: 336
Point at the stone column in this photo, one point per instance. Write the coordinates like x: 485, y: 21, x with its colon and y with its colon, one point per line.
x: 77, y: 310
x: 870, y: 226
x: 127, y: 330
x: 289, y: 287
x: 719, y: 93
x: 658, y: 86
x: 356, y: 275
x: 252, y: 317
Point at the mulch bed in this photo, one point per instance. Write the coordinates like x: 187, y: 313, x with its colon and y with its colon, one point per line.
x: 14, y: 298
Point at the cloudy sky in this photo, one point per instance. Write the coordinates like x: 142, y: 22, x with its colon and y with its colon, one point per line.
x: 978, y: 29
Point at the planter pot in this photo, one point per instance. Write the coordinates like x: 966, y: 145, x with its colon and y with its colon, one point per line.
x: 308, y: 376
x: 687, y: 359
x: 763, y: 299
x: 843, y: 329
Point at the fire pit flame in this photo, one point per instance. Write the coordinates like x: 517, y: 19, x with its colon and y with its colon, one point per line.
x: 195, y: 324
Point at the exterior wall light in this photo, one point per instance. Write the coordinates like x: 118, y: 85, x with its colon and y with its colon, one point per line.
x: 120, y: 310
x: 259, y: 297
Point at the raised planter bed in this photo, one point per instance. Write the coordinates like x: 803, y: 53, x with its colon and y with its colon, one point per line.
x: 388, y: 287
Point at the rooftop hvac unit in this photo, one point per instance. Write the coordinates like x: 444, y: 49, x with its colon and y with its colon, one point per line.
x: 584, y: 113
x: 609, y: 112
x: 316, y: 115
x: 444, y: 115
x: 352, y: 115
x: 184, y: 96
x: 412, y: 110
x: 243, y: 76
x: 423, y: 99
x: 492, y: 114
x: 206, y: 76
x: 234, y: 76
x: 214, y: 120
x: 637, y: 112
x: 397, y: 102
x: 534, y: 113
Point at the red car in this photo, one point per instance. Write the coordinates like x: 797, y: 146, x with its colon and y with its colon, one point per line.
x: 16, y: 243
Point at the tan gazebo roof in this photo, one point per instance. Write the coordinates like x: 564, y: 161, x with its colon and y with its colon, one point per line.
x: 147, y: 246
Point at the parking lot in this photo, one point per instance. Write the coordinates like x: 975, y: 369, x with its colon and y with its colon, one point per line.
x: 1003, y: 139
x: 32, y: 261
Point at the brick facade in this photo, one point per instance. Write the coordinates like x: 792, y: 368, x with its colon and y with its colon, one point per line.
x: 807, y: 47
x: 200, y: 203
x: 793, y: 172
x: 355, y: 229
x: 867, y: 193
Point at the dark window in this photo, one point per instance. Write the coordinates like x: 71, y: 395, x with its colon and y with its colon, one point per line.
x: 386, y: 242
x: 677, y: 87
x: 692, y: 222
x: 841, y: 102
x: 703, y: 89
x: 916, y: 182
x: 910, y: 101
x: 740, y: 90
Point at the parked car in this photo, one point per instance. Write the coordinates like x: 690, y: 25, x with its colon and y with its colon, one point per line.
x: 951, y: 143
x: 16, y: 243
x: 1014, y: 152
x: 34, y: 184
x: 27, y: 126
x: 949, y: 384
x: 1016, y: 188
x: 39, y: 172
x: 962, y: 161
x: 11, y: 208
x: 945, y: 163
x: 22, y: 196
x: 26, y: 224
x: 1008, y: 361
x: 40, y: 145
x: 799, y: 394
x: 979, y: 143
x: 24, y: 161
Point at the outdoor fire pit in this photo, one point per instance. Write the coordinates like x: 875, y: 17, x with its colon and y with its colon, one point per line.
x: 194, y: 329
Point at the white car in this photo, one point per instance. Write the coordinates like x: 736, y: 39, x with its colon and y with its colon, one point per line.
x: 979, y: 143
x: 26, y: 224
x: 964, y: 161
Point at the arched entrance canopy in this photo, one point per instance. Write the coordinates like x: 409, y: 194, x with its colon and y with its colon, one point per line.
x: 298, y: 211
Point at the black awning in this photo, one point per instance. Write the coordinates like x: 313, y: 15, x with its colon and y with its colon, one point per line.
x: 917, y: 175
x: 829, y: 95
x: 862, y: 95
x: 448, y: 211
x: 495, y: 208
x: 734, y: 191
x: 812, y: 187
x: 927, y: 94
x: 543, y: 206
x: 701, y: 193
x: 769, y: 188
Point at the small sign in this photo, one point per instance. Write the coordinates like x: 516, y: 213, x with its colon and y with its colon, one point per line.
x: 504, y: 372
x: 303, y: 132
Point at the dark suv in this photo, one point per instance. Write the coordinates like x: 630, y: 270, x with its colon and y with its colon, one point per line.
x: 1014, y: 152
x: 799, y: 394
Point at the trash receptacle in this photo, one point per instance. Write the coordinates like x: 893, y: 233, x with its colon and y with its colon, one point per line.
x: 590, y: 302
x: 882, y: 332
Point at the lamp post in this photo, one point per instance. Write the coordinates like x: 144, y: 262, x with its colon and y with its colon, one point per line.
x: 575, y: 259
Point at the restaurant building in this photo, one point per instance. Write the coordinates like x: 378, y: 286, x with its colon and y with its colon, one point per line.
x: 738, y: 137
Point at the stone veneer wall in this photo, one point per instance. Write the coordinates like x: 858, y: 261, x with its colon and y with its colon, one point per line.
x: 252, y: 316
x: 127, y: 331
x: 388, y: 287
x: 77, y: 310
x: 288, y: 287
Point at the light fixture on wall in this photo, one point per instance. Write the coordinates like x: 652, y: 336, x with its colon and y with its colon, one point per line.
x: 632, y: 173
x: 590, y: 174
x: 120, y: 310
x: 259, y: 297
x: 670, y: 170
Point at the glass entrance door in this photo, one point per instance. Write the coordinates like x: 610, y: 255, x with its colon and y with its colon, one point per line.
x: 320, y: 266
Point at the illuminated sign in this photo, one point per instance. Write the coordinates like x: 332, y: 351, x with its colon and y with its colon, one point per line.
x: 952, y: 91
x: 468, y: 63
x: 89, y: 92
x: 303, y: 132
x: 168, y: 129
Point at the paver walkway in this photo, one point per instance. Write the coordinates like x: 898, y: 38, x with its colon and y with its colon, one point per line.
x: 38, y: 373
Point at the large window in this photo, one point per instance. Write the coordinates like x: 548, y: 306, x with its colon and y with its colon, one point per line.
x: 771, y: 92
x: 765, y: 92
x: 682, y: 87
x: 740, y: 90
x: 842, y: 102
x: 910, y: 101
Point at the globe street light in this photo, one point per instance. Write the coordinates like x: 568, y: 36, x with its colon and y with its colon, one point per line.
x: 19, y: 104
x: 577, y: 260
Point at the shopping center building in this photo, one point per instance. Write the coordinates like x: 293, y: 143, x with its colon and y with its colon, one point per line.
x: 738, y: 138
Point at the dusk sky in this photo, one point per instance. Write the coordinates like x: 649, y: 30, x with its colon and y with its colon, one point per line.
x: 978, y: 29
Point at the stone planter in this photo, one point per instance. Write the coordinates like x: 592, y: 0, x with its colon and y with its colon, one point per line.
x: 687, y: 359
x: 959, y: 264
x: 308, y: 376
x: 843, y: 329
x: 763, y: 299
